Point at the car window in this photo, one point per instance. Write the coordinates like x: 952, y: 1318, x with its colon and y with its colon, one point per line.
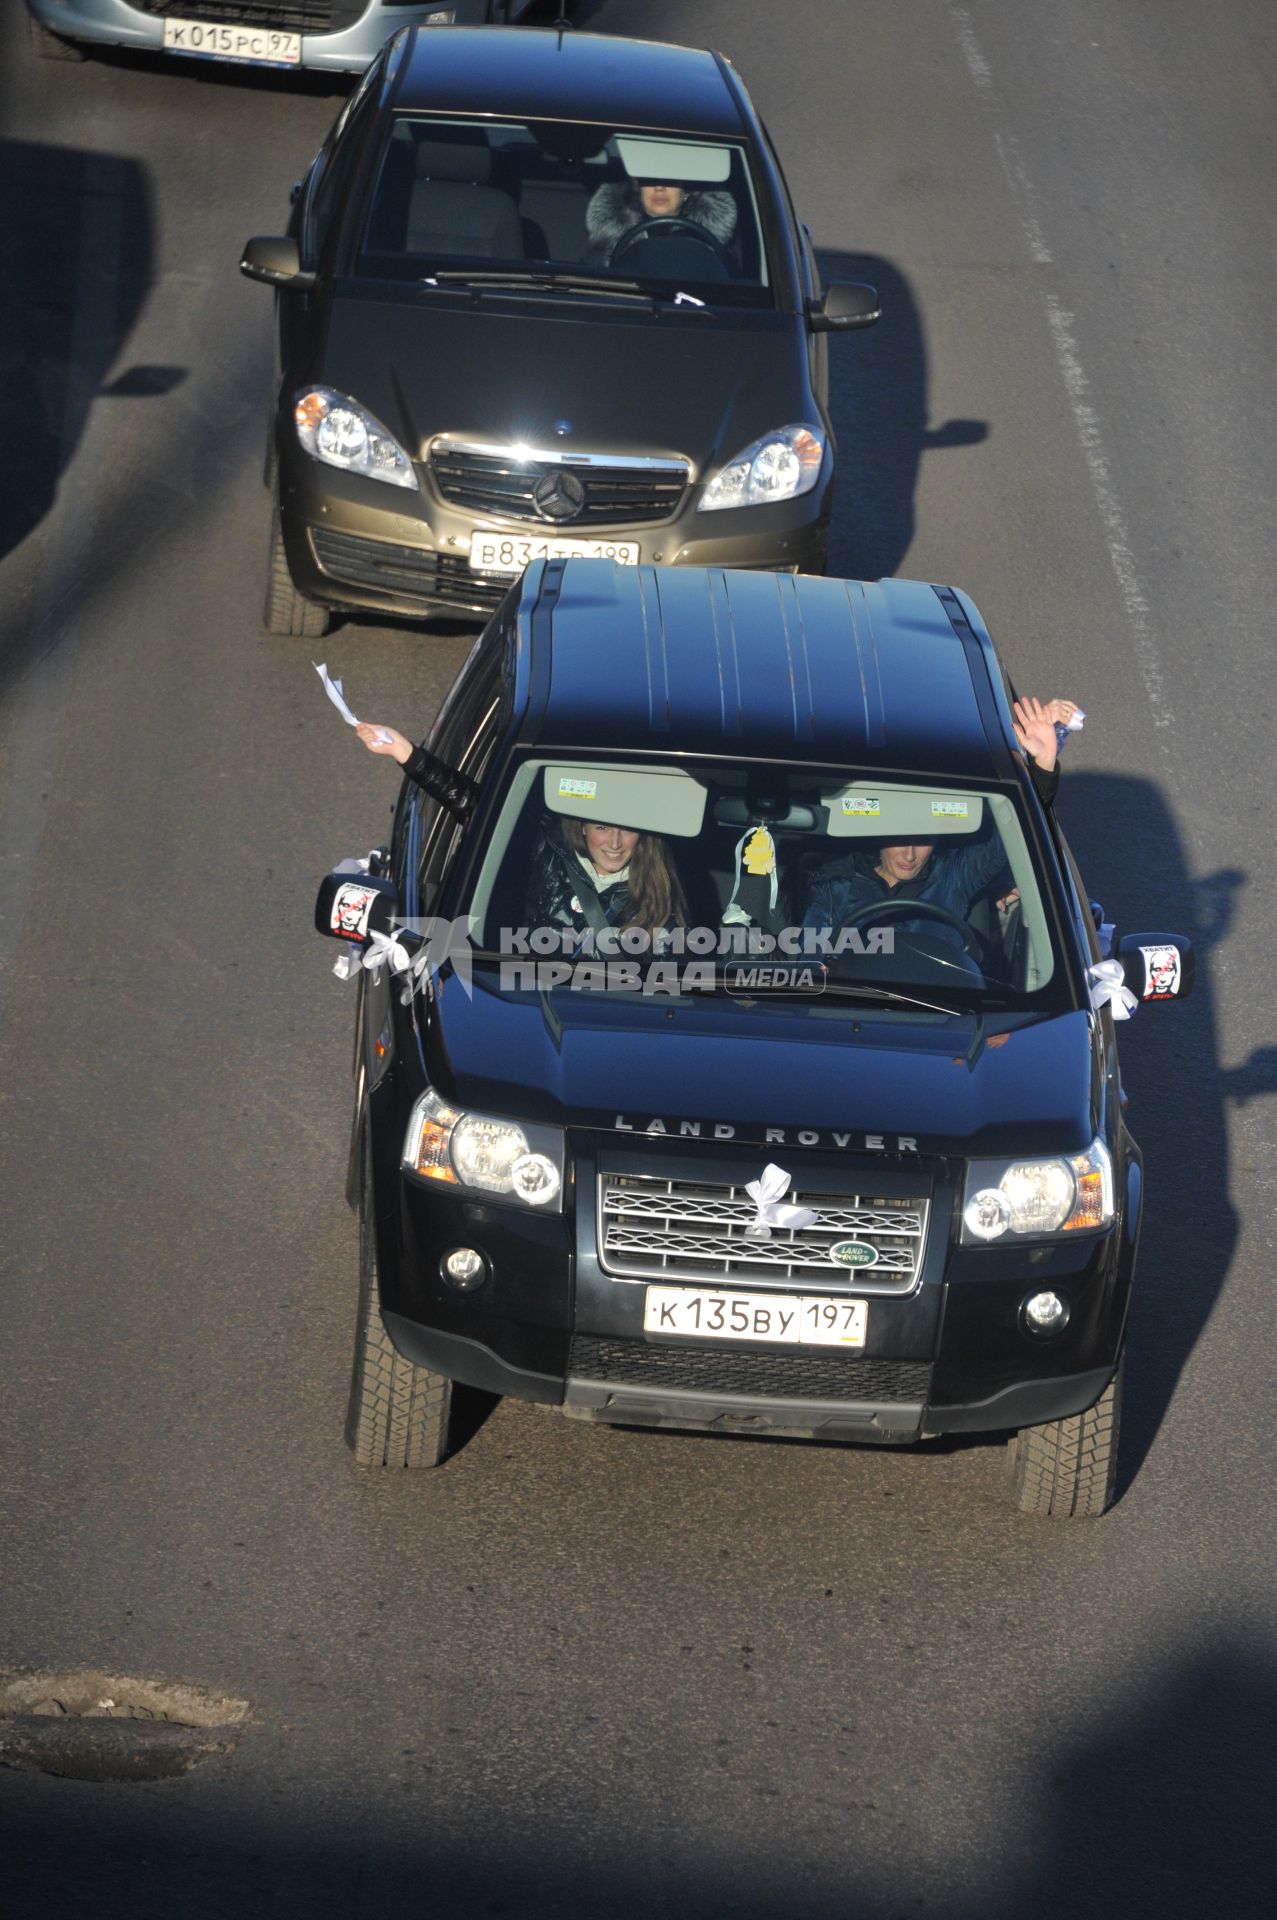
x: 335, y: 165
x: 895, y: 884
x: 464, y: 737
x: 671, y: 212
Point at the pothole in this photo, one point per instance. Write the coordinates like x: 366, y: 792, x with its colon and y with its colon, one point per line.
x: 87, y: 1725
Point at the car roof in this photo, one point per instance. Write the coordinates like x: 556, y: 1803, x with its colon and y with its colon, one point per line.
x: 892, y: 675
x: 533, y: 73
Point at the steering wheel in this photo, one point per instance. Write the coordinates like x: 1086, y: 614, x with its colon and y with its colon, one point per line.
x: 909, y: 910
x: 671, y: 226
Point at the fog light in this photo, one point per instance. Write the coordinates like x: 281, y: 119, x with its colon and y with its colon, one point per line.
x: 465, y: 1268
x: 1045, y: 1313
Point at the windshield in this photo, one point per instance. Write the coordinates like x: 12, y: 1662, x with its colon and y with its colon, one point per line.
x: 612, y: 875
x: 552, y: 200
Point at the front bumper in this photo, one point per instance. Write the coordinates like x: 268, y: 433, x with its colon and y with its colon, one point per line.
x: 951, y: 1355
x: 351, y: 546
x: 347, y: 48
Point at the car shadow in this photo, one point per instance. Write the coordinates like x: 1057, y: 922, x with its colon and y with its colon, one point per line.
x: 1149, y: 1802
x: 1175, y: 1081
x: 879, y: 412
x: 77, y: 233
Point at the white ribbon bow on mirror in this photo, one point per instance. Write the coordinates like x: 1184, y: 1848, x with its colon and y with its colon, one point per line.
x: 1107, y: 982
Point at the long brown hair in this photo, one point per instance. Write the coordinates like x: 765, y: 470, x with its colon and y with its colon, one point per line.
x: 655, y: 895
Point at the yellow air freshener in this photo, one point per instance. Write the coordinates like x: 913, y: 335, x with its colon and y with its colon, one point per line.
x: 760, y: 852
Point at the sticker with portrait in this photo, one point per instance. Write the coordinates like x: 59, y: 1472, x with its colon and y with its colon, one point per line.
x: 1161, y: 973
x: 351, y: 908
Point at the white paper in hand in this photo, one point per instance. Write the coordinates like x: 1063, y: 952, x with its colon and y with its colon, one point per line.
x: 333, y: 689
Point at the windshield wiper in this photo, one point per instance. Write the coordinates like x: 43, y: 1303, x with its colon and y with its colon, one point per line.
x: 543, y: 280
x: 885, y: 996
x: 509, y: 278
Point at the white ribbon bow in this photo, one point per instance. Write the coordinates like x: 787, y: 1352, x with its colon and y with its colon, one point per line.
x: 1108, y: 987
x: 441, y: 941
x: 356, y: 865
x: 766, y: 1193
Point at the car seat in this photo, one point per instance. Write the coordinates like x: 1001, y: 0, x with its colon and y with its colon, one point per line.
x: 453, y: 208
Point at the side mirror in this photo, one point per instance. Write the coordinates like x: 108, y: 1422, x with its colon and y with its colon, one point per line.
x: 352, y: 903
x: 843, y: 305
x: 276, y: 262
x: 1157, y: 966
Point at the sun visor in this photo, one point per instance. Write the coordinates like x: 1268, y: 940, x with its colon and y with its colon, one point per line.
x: 666, y: 802
x: 904, y: 814
x: 673, y: 162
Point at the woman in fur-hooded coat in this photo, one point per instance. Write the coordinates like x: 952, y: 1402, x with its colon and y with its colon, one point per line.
x: 617, y: 206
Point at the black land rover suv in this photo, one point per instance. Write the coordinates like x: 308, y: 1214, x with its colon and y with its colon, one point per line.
x: 794, y: 1152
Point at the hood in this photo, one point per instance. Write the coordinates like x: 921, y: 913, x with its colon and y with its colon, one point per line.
x: 596, y: 1061
x: 507, y: 369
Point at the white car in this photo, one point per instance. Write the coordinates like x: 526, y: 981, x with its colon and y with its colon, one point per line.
x: 334, y: 36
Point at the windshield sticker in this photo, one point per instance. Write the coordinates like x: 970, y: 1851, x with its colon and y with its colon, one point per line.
x: 949, y: 810
x: 578, y: 789
x: 861, y: 805
x: 1161, y: 972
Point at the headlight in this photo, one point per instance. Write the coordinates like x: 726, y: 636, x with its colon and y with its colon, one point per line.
x: 1038, y: 1196
x: 780, y: 466
x: 481, y: 1154
x: 341, y: 433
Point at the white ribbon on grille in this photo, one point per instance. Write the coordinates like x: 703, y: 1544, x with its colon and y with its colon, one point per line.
x: 767, y: 1194
x: 1108, y: 987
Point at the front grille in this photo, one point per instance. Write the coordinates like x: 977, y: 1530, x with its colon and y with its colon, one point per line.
x: 777, y: 1376
x: 500, y: 484
x: 406, y: 573
x: 295, y: 16
x: 690, y: 1230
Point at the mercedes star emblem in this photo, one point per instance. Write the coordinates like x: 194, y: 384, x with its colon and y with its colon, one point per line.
x: 558, y: 496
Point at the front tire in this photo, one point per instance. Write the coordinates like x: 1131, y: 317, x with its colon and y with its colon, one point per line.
x: 286, y: 611
x: 1067, y: 1469
x: 399, y: 1415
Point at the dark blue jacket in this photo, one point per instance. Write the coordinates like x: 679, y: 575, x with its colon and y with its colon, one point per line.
x: 953, y: 878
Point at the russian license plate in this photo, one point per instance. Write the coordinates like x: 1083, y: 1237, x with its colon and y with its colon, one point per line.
x: 793, y: 1320
x: 262, y: 46
x: 510, y: 553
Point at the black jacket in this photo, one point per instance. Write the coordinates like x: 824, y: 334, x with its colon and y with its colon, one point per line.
x: 615, y: 207
x: 561, y: 894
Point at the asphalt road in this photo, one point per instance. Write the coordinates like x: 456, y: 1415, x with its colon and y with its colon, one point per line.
x: 581, y: 1670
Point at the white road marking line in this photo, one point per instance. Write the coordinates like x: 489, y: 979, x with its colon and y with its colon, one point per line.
x: 1086, y: 419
